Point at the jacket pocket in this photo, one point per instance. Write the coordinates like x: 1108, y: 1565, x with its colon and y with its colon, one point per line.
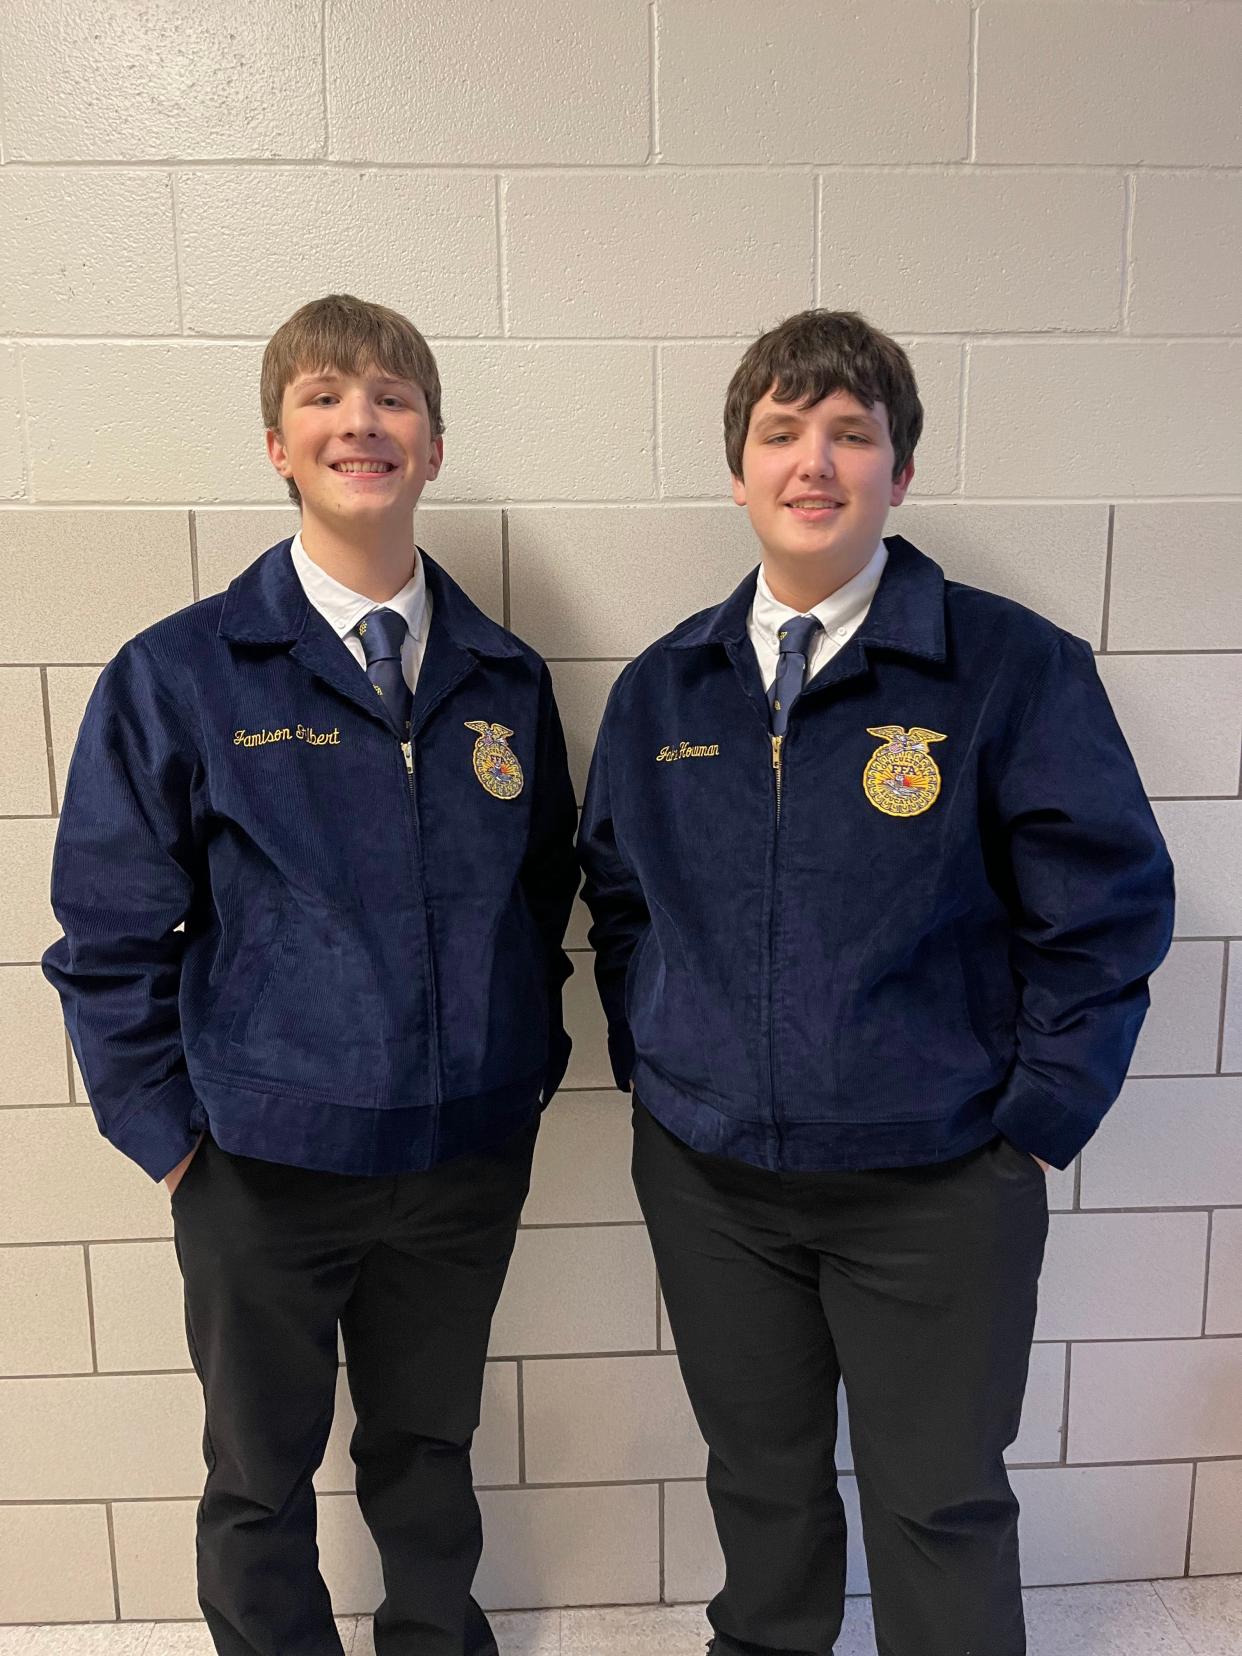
x: 315, y: 1020
x: 664, y: 1008
x: 906, y: 1045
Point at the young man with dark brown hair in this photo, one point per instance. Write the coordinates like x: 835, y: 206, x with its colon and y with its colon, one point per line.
x: 314, y: 867
x: 871, y: 950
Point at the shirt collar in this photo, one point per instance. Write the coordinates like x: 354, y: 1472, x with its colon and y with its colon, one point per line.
x: 342, y: 608
x: 843, y: 608
x: 906, y: 615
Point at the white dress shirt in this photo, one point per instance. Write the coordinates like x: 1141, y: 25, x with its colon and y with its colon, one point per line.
x: 840, y: 615
x: 342, y: 609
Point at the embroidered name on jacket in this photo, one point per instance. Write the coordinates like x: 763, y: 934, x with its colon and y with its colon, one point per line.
x: 685, y: 750
x: 299, y: 733
x: 901, y: 778
x: 495, y: 763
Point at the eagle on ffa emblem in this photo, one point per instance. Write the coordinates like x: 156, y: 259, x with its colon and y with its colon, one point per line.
x: 495, y: 763
x: 901, y: 778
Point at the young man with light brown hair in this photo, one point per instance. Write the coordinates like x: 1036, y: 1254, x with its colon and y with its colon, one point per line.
x: 314, y: 868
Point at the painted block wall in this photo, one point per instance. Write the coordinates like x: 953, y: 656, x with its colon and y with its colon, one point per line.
x: 590, y: 210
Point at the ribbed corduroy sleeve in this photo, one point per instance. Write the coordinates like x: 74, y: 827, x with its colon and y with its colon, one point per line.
x: 1093, y: 891
x: 123, y: 878
x: 549, y: 872
x: 614, y: 897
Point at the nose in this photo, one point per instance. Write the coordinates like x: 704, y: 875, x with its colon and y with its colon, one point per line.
x: 358, y: 416
x: 816, y: 458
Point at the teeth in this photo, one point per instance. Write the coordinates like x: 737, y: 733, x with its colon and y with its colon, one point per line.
x: 378, y: 466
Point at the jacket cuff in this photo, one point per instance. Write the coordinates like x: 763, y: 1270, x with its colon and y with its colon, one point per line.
x: 1033, y: 1120
x: 621, y: 1054
x: 158, y: 1134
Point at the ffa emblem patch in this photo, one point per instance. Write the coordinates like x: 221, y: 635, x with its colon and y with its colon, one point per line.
x: 901, y: 778
x: 495, y: 763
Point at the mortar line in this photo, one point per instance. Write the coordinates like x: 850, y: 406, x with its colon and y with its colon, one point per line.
x: 1108, y: 577
x: 90, y: 1307
x: 972, y: 117
x: 323, y: 79
x: 332, y: 163
x: 175, y: 213
x: 194, y: 556
x: 1224, y: 1006
x: 1127, y: 251
x: 74, y: 1101
x: 47, y: 740
x: 502, y: 254
x: 521, y: 1421
x: 816, y: 271
x: 1207, y: 1277
x: 653, y: 64
x: 657, y: 414
x: 116, y: 1580
x: 661, y: 1535
x: 23, y: 420
x: 1190, y: 1516
x: 959, y: 482
x: 506, y: 599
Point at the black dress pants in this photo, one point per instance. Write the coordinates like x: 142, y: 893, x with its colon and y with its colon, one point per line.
x: 411, y: 1267
x: 918, y: 1286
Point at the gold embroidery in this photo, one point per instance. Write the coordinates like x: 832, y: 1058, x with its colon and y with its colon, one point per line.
x: 686, y: 750
x: 495, y: 763
x: 301, y: 733
x: 901, y: 778
x: 260, y: 738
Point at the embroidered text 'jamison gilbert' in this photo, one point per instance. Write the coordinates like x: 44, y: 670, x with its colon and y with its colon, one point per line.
x: 301, y: 733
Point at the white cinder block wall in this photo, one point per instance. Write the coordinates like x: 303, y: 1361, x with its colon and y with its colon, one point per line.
x: 590, y: 209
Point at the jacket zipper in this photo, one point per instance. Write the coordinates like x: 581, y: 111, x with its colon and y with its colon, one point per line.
x: 778, y: 743
x: 407, y: 753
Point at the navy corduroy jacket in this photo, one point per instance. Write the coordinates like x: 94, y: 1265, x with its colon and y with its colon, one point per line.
x: 330, y: 948
x: 940, y: 931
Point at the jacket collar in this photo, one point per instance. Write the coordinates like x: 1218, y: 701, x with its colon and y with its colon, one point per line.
x: 266, y: 604
x: 906, y: 614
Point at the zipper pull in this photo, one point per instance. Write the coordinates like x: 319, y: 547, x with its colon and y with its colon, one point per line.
x: 776, y: 752
x: 408, y: 753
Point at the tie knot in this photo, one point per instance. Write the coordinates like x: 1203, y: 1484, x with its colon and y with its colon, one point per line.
x: 795, y: 635
x: 382, y: 634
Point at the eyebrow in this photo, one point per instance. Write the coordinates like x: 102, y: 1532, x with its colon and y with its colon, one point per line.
x: 794, y: 413
x: 330, y: 376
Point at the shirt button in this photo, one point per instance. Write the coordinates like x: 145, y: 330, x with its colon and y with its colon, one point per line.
x: 840, y: 632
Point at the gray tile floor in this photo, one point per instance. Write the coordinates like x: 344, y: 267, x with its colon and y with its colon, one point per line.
x: 1201, y: 1617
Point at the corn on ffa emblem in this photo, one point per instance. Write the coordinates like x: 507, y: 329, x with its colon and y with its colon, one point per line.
x: 901, y: 778
x: 495, y: 763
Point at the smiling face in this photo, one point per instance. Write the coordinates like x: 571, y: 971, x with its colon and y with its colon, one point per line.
x: 359, y: 446
x: 817, y: 480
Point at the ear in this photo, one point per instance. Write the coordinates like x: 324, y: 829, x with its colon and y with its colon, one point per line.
x: 739, y: 492
x: 437, y: 458
x: 901, y: 483
x: 277, y: 454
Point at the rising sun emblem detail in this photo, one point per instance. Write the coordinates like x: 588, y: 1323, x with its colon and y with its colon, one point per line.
x: 495, y: 763
x: 901, y: 778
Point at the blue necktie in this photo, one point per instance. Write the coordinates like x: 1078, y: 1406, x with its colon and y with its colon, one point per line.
x: 382, y: 634
x: 795, y: 643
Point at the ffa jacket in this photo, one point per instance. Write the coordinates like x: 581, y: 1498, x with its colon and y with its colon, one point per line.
x: 932, y: 921
x: 332, y: 948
